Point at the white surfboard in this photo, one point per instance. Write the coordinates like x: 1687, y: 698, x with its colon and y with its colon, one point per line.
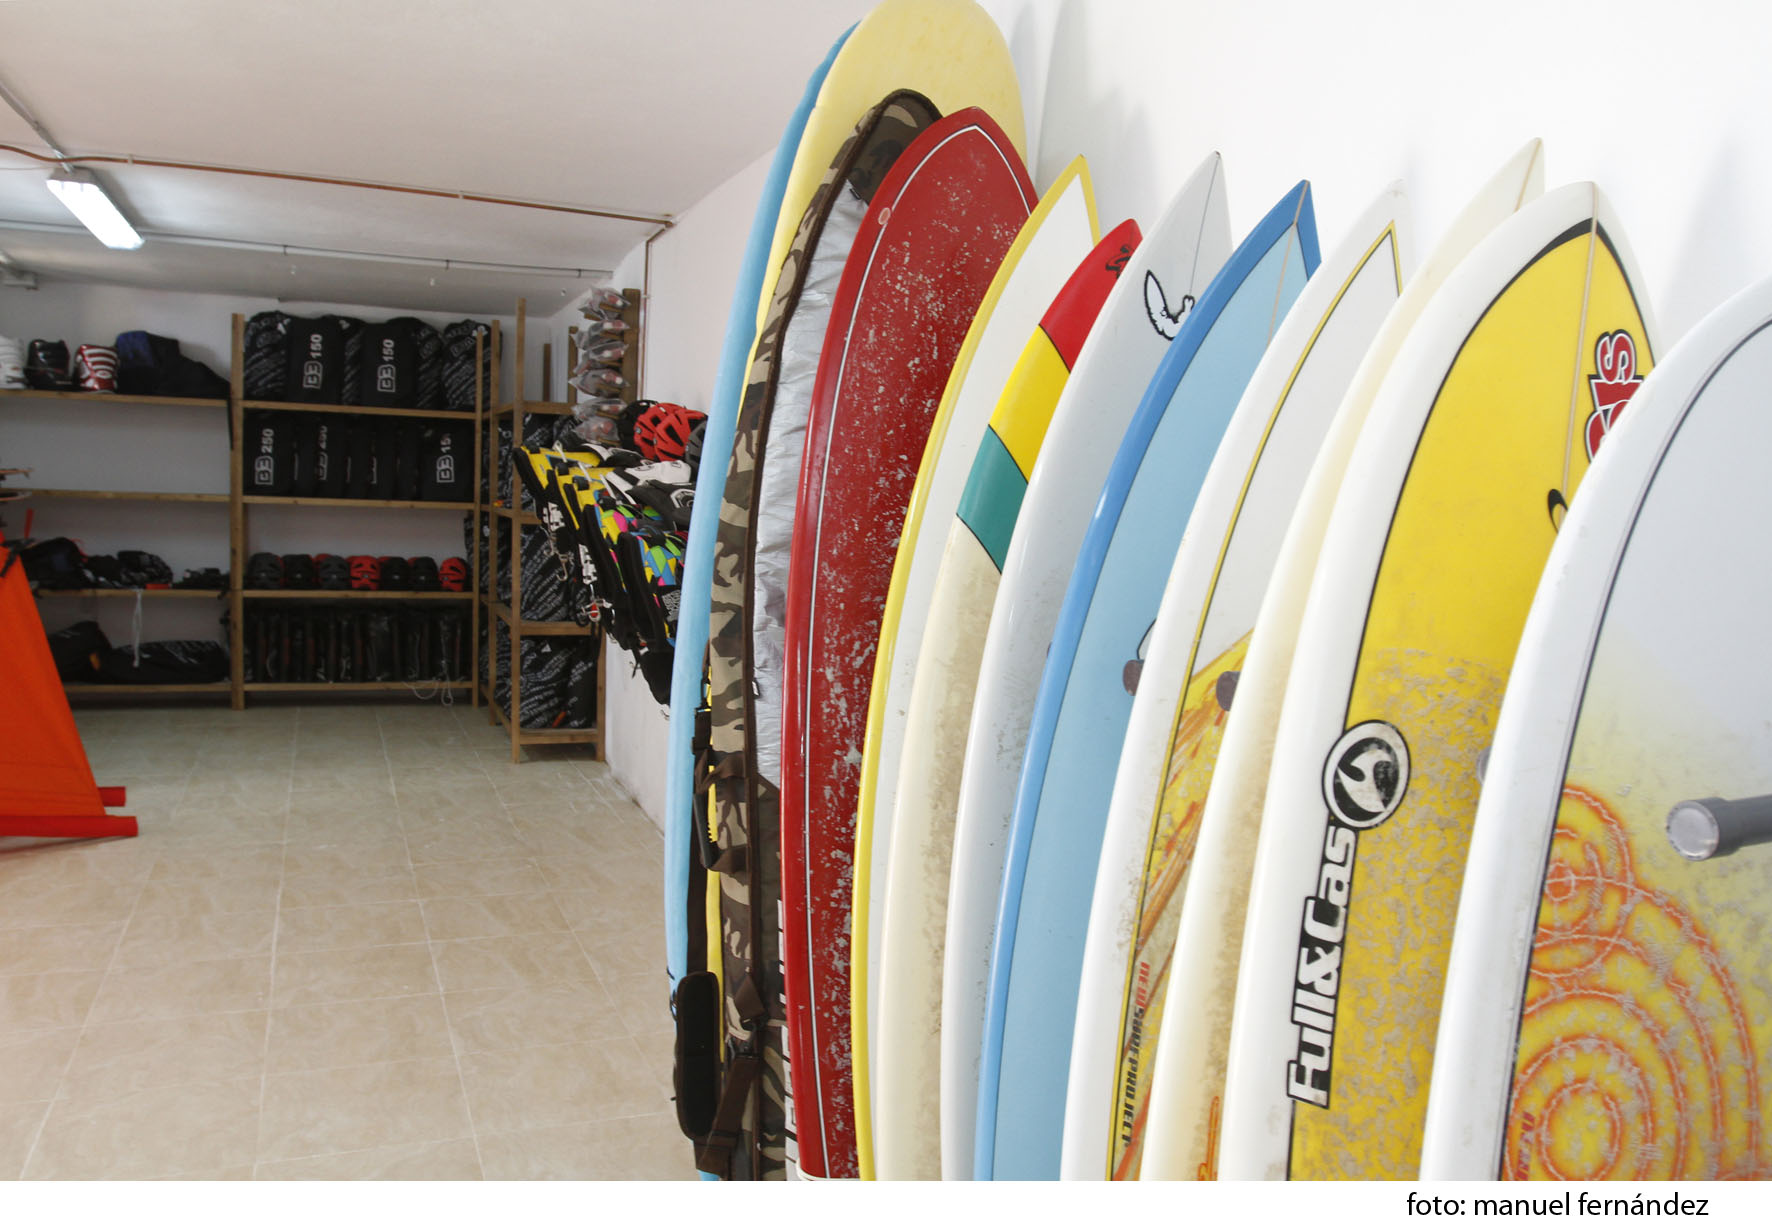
x: 1188, y: 677
x: 1607, y: 994
x: 1173, y: 267
x: 906, y: 1049
x: 1188, y: 1079
x: 1061, y: 230
x: 1434, y: 549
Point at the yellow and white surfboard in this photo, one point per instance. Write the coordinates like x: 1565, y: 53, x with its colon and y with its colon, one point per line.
x: 1434, y: 550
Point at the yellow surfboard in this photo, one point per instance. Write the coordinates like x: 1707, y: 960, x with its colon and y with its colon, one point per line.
x: 1433, y: 553
x: 949, y: 51
x: 1187, y: 1082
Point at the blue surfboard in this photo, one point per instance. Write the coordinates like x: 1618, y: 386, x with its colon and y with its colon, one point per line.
x: 698, y: 556
x: 1083, y: 706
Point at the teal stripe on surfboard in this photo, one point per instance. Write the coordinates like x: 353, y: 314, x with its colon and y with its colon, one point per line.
x: 992, y: 497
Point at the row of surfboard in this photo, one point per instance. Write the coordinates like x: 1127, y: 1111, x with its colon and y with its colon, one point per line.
x: 1079, y: 610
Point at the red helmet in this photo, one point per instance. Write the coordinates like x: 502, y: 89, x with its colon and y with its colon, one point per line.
x: 662, y: 431
x: 365, y: 572
x: 454, y: 574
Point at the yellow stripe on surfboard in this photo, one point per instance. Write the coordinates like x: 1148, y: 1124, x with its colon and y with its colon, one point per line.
x: 1466, y: 549
x: 1076, y: 174
x: 1039, y: 377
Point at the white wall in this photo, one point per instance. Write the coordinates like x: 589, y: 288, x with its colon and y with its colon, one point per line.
x: 694, y: 267
x: 158, y: 448
x: 1662, y: 105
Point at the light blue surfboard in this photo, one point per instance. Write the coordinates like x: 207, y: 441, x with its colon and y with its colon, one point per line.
x: 698, y: 556
x: 1083, y: 705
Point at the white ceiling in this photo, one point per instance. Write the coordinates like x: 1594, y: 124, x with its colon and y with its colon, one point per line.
x: 634, y: 106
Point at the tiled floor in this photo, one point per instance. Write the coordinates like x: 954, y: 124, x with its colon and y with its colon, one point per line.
x: 352, y: 941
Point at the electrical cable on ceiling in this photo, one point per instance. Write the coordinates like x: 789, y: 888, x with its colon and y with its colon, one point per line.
x: 448, y: 194
x: 60, y: 156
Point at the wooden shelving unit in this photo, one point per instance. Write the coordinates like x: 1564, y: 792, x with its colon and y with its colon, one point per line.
x: 237, y: 503
x: 517, y: 408
x: 240, y: 405
x: 128, y: 402
x: 486, y: 611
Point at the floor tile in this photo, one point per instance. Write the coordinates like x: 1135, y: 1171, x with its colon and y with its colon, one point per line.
x: 46, y: 950
x: 33, y: 1002
x: 466, y: 918
x: 342, y: 1110
x: 149, y: 1133
x: 350, y: 926
x: 344, y: 860
x: 512, y: 961
x: 320, y: 892
x: 506, y: 1018
x: 441, y: 1161
x: 354, y: 973
x: 643, y: 1147
x: 31, y: 1065
x: 171, y: 939
x: 545, y: 1085
x: 127, y: 1056
x: 480, y: 878
x: 216, y: 895
x: 356, y: 1032
x: 196, y: 988
x: 19, y: 1123
x: 257, y: 862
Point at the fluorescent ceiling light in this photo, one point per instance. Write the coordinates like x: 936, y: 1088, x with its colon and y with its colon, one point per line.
x: 86, y: 200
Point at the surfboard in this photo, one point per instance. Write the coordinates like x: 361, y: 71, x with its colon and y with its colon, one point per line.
x: 1607, y: 993
x: 1167, y: 274
x: 1185, y: 683
x: 1434, y: 549
x: 949, y: 51
x: 935, y: 235
x: 952, y: 53
x: 1187, y: 1082
x: 906, y: 1055
x: 690, y: 649
x: 1062, y: 227
x: 747, y: 628
x: 1082, y: 706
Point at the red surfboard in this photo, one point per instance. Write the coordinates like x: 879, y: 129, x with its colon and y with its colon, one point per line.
x: 938, y: 228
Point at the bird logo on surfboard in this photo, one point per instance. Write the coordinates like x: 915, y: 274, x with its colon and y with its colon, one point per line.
x: 1156, y: 305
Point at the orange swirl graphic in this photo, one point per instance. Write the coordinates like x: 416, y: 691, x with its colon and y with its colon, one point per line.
x: 1635, y: 1057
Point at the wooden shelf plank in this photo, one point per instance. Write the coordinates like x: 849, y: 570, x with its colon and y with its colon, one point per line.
x: 319, y: 501
x: 305, y: 407
x: 535, y: 627
x: 176, y: 497
x: 220, y: 403
x: 363, y: 595
x: 128, y: 593
x: 133, y: 689
x: 533, y: 407
x: 523, y: 518
x: 392, y: 685
x: 527, y: 735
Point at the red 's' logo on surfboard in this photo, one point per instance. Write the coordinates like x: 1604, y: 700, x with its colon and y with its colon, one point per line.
x: 1613, y: 382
